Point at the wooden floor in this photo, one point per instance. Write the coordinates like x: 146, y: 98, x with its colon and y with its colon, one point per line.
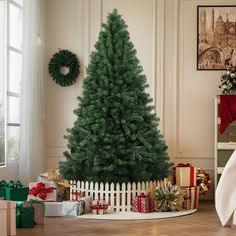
x: 202, y: 223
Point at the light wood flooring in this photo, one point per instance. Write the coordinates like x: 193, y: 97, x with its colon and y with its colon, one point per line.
x: 205, y: 222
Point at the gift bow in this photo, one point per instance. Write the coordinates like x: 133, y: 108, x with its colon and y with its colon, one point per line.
x: 16, y: 184
x: 98, y: 207
x: 203, y: 181
x: 40, y: 190
x: 3, y: 183
x: 143, y: 195
x: 182, y: 165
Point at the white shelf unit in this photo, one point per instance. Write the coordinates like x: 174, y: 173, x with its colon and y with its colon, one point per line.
x: 225, y: 143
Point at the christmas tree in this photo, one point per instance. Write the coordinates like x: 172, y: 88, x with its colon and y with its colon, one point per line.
x: 115, y: 137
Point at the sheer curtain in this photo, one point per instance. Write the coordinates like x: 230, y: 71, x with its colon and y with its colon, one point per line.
x: 31, y: 158
x: 2, y: 81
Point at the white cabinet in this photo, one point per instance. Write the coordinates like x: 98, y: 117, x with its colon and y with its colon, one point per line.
x: 225, y: 143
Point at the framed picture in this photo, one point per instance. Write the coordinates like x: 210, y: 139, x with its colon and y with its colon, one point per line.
x: 216, y: 37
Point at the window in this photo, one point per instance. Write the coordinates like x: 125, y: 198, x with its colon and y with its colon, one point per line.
x: 11, y: 29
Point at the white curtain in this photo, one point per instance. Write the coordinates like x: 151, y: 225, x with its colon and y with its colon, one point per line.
x: 31, y: 158
x: 2, y: 80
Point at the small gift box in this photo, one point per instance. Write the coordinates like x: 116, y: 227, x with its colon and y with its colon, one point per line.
x: 99, y: 208
x: 194, y: 197
x: 191, y: 196
x: 42, y: 192
x: 24, y: 216
x: 76, y: 195
x: 187, y: 197
x: 39, y: 210
x: 72, y: 208
x: 186, y: 175
x: 53, y: 208
x: 55, y: 180
x: 142, y: 203
x: 87, y: 203
x: 15, y: 191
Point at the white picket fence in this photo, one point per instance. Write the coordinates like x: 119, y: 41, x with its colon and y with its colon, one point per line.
x: 117, y: 196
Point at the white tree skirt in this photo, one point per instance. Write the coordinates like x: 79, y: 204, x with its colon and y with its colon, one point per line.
x: 137, y: 215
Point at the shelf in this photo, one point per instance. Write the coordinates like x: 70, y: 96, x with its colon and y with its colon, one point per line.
x: 220, y: 170
x: 226, y: 146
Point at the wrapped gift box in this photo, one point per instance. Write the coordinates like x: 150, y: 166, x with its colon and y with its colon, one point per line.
x: 142, y: 203
x: 76, y: 195
x: 3, y: 217
x: 73, y: 208
x: 39, y: 210
x: 187, y: 198
x: 53, y: 208
x: 24, y: 216
x: 194, y: 197
x: 191, y: 196
x: 11, y: 218
x: 187, y: 204
x: 42, y: 192
x: 87, y: 203
x: 53, y: 177
x: 17, y: 194
x: 186, y: 176
x: 99, y: 208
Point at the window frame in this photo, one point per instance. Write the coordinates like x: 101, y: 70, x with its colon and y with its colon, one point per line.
x: 8, y: 93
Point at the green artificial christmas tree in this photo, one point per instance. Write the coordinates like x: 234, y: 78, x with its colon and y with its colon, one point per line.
x: 115, y: 137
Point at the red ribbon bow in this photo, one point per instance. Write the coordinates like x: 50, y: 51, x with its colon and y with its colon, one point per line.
x: 142, y: 195
x: 40, y: 190
x: 182, y: 165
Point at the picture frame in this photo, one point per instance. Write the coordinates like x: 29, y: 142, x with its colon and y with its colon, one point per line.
x: 216, y: 36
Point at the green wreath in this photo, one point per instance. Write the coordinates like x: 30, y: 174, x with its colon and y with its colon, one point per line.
x: 64, y: 59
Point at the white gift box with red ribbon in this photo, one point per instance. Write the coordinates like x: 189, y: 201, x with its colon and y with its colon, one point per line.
x: 50, y: 195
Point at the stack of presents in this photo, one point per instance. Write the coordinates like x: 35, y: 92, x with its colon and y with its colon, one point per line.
x: 180, y: 192
x: 25, y: 206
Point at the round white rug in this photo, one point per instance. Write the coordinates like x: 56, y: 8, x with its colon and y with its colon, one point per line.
x: 137, y: 215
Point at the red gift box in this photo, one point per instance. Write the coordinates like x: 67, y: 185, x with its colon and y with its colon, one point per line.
x: 142, y: 203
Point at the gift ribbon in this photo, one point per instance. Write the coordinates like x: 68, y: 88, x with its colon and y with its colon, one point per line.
x: 13, y: 184
x: 40, y: 190
x: 192, y: 176
x: 77, y: 195
x: 182, y: 165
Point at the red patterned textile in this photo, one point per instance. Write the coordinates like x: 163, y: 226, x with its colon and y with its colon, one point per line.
x: 227, y: 111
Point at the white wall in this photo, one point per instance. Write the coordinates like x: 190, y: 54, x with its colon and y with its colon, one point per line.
x: 64, y: 30
x: 165, y: 35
